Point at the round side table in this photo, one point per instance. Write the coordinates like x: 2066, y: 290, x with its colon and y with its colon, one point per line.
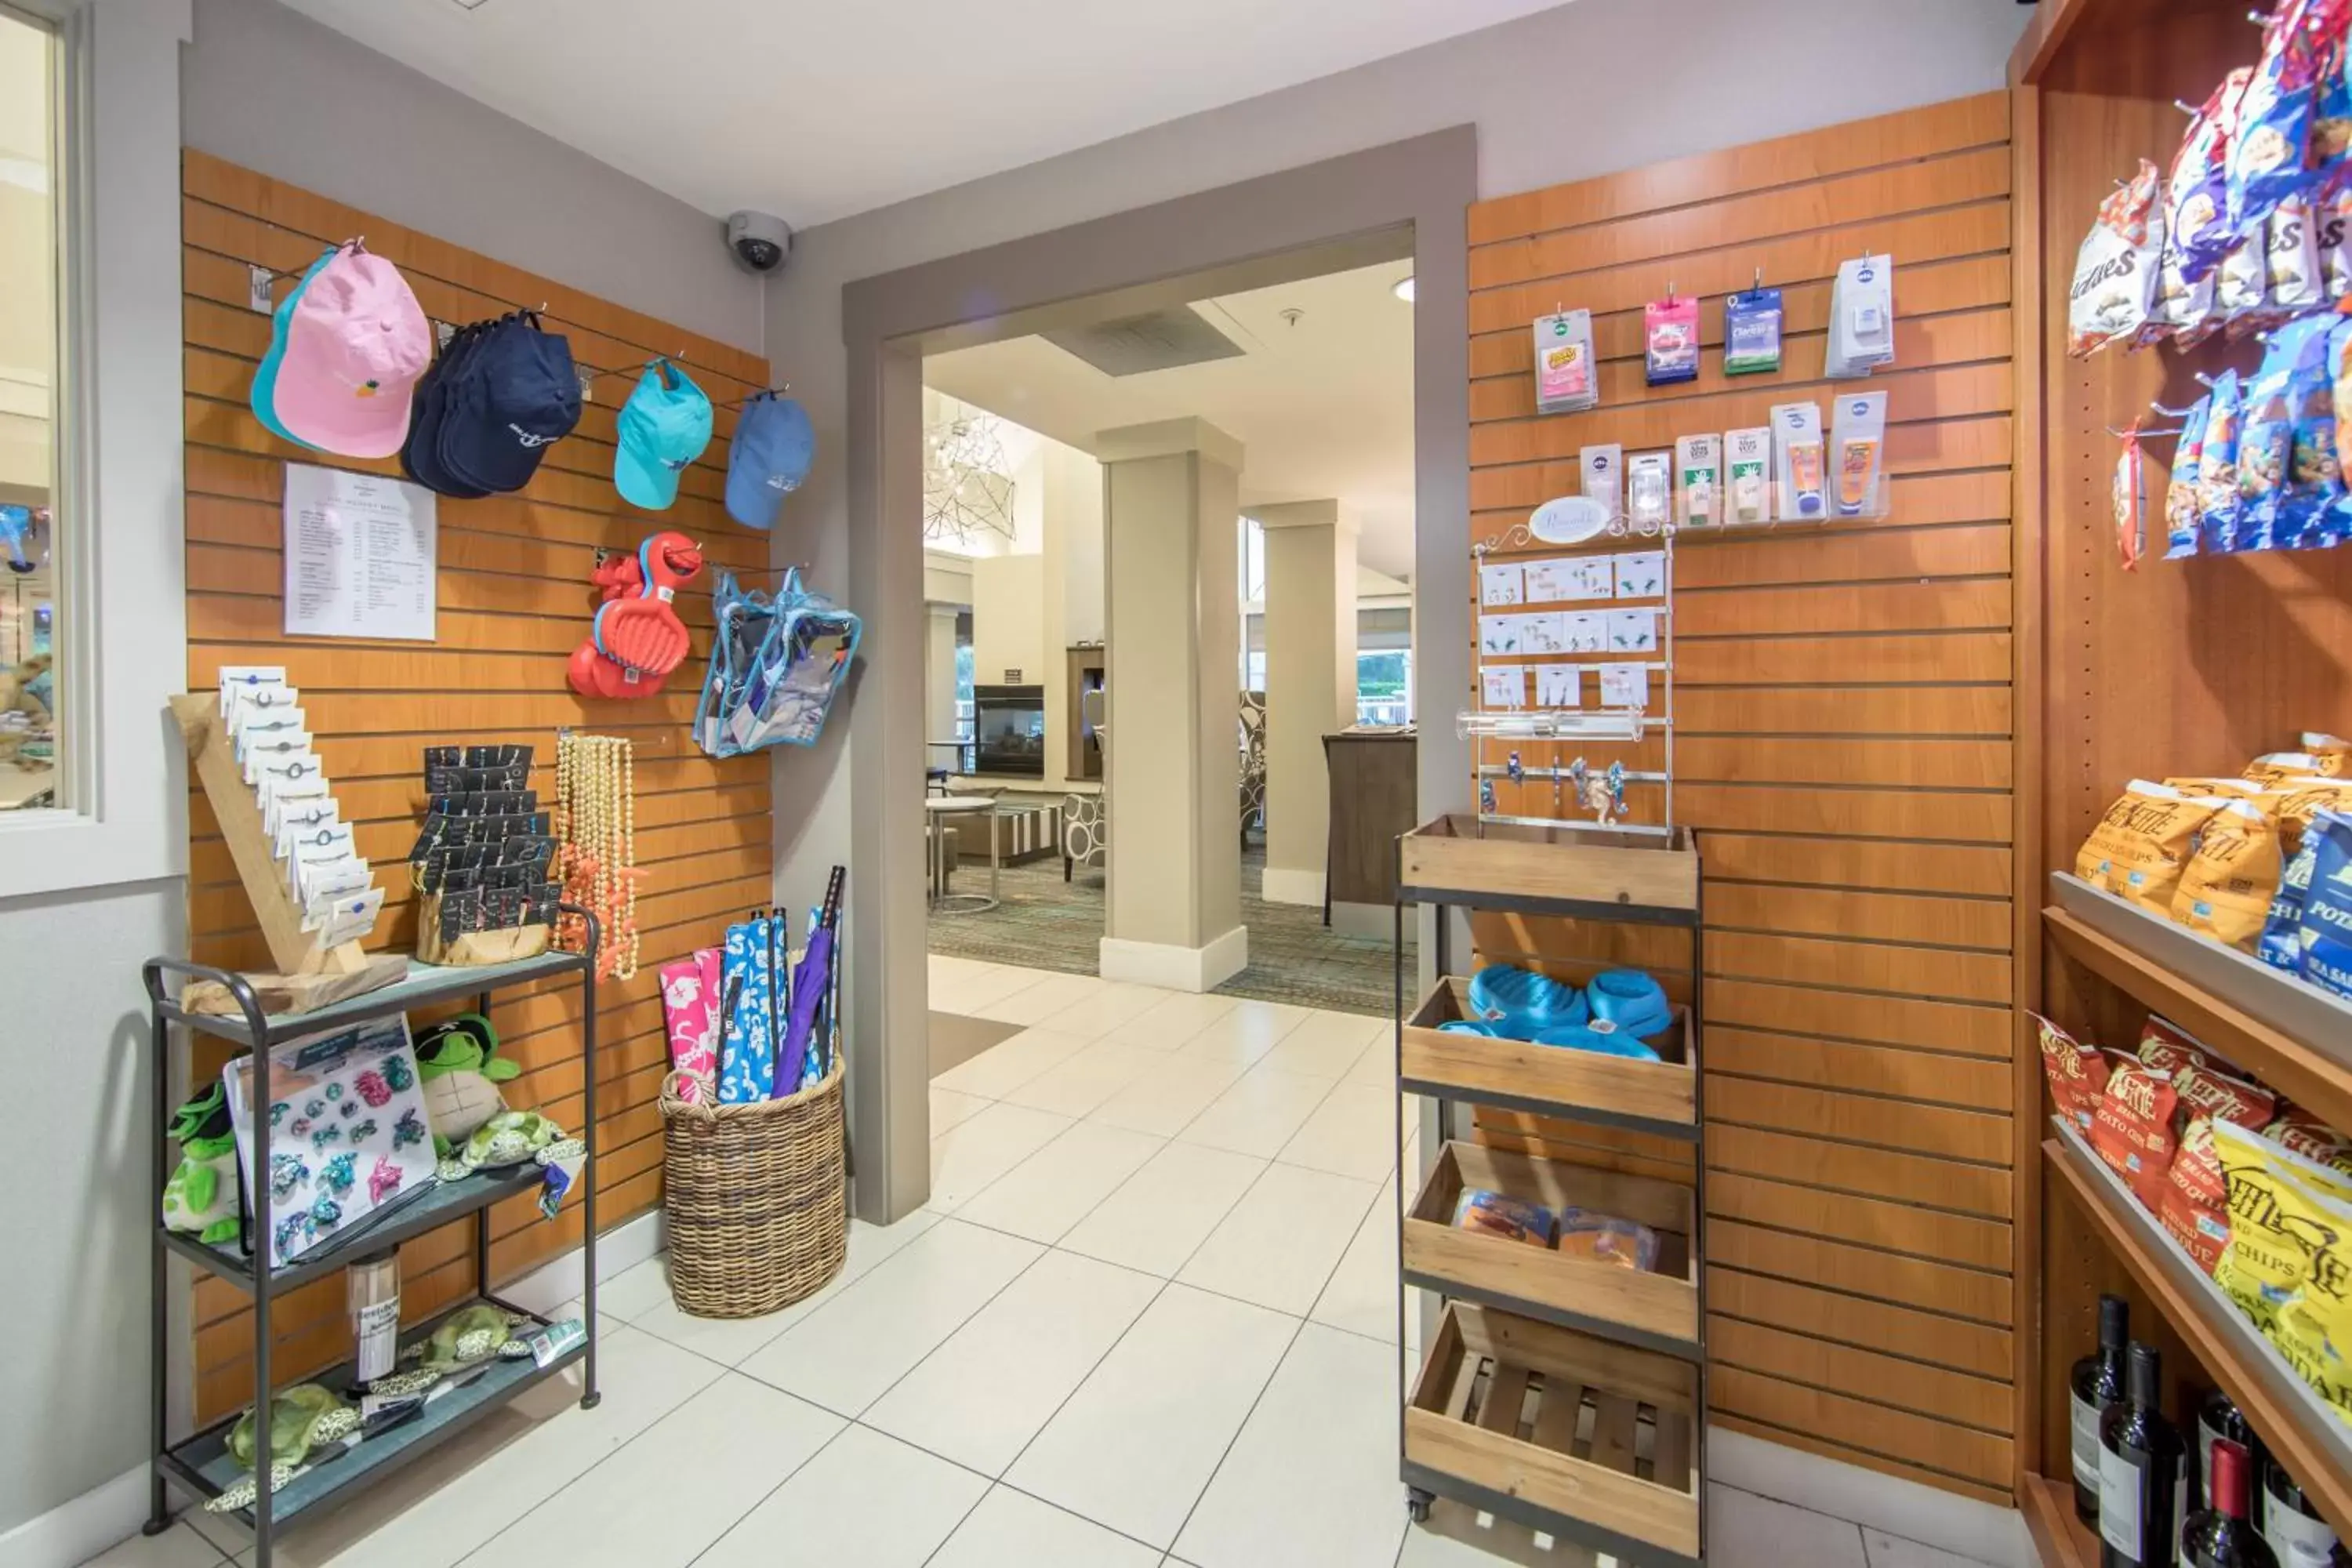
x: 936, y: 810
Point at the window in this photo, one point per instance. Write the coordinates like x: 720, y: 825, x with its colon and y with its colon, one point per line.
x: 30, y: 512
x: 1384, y: 687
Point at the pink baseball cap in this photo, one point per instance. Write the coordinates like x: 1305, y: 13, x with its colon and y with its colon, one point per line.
x: 356, y: 345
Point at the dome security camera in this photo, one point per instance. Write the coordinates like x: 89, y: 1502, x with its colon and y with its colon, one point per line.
x: 760, y: 241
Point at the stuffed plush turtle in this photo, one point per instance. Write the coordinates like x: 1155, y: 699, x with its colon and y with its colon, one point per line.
x: 472, y: 1334
x: 200, y: 1199
x: 303, y: 1420
x: 508, y: 1138
x: 459, y: 1065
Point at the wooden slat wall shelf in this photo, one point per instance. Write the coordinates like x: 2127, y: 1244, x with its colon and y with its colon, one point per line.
x: 514, y: 601
x: 1846, y: 706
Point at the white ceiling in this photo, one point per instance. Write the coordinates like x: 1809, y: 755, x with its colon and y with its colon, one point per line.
x: 1323, y: 408
x: 815, y: 110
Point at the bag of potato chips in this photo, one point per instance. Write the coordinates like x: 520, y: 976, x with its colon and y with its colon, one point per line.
x: 2327, y: 929
x: 2195, y: 1206
x: 2227, y: 886
x: 2217, y: 468
x: 2131, y: 1129
x: 2272, y: 1232
x: 2181, y: 510
x: 2114, y: 270
x: 2268, y: 769
x: 2077, y: 1073
x: 2333, y: 752
x: 2139, y: 849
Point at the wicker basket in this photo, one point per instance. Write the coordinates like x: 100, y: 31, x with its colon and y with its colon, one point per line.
x: 758, y: 1214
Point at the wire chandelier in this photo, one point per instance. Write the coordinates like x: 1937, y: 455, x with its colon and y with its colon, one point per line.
x: 967, y: 482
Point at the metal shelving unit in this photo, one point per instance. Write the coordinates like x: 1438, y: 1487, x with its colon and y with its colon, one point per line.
x: 200, y: 1464
x: 1604, y: 1368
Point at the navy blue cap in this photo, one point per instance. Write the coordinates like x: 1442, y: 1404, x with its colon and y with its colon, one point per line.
x: 770, y: 455
x: 420, y: 457
x: 516, y: 395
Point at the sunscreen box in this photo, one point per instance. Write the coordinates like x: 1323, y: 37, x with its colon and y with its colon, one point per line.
x: 1604, y: 477
x: 1798, y: 458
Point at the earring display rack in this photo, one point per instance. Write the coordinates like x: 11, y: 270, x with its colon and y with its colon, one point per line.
x: 201, y: 1464
x: 1497, y: 734
x: 1566, y: 1395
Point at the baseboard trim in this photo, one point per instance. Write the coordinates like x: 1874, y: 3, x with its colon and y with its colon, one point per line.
x: 1289, y: 885
x: 561, y: 1278
x: 78, y: 1530
x: 1175, y: 968
x: 1911, y: 1510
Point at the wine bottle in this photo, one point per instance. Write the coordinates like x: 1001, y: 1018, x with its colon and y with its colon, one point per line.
x: 2298, y: 1537
x: 2097, y: 1383
x: 2217, y: 1417
x: 2143, y: 1470
x: 2220, y: 1535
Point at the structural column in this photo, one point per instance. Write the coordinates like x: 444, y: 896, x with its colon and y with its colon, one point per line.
x: 1172, y: 761
x: 1310, y: 684
x: 940, y: 680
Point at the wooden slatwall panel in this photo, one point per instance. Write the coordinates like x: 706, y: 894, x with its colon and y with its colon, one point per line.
x: 514, y: 602
x: 1845, y: 748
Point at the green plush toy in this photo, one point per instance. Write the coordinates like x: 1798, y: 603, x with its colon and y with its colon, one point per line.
x: 508, y: 1138
x: 302, y: 1419
x: 459, y: 1065
x: 200, y: 1199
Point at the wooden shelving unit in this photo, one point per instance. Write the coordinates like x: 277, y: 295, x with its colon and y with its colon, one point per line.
x: 1567, y: 1395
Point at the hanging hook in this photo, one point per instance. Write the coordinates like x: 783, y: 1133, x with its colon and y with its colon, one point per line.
x: 2170, y: 413
x: 2143, y: 435
x: 2186, y: 108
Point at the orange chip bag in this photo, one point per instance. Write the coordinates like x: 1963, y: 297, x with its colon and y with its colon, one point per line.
x: 2139, y: 847
x: 2194, y: 1208
x: 2333, y: 753
x: 2131, y: 1130
x: 2272, y: 766
x: 2167, y: 1047
x: 2300, y: 1132
x: 2227, y: 885
x: 2293, y: 802
x: 2077, y: 1073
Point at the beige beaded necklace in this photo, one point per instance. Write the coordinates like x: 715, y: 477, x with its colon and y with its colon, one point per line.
x: 596, y: 822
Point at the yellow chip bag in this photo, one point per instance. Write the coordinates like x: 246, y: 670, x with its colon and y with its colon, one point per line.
x: 2139, y: 849
x: 2272, y: 766
x: 2314, y: 1328
x: 2333, y: 753
x: 2227, y: 886
x: 2293, y: 803
x: 2224, y: 788
x: 2273, y: 1228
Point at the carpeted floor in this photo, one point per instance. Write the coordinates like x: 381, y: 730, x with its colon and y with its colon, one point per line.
x: 1044, y: 923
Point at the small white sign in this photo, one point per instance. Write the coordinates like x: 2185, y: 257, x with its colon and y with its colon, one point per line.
x: 1641, y: 576
x: 1632, y: 631
x: 1625, y: 685
x: 359, y: 555
x: 1502, y: 585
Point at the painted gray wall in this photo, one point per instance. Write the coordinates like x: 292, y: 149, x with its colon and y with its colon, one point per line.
x: 1580, y: 91
x: 273, y: 91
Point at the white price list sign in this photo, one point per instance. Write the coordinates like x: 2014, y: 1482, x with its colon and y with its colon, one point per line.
x: 359, y: 555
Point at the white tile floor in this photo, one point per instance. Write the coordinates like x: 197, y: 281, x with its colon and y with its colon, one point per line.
x: 1148, y: 1317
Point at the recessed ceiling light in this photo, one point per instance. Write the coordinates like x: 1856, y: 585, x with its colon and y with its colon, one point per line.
x: 1403, y: 290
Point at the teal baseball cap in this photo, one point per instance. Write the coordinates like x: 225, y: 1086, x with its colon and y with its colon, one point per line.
x: 663, y: 426
x: 265, y: 379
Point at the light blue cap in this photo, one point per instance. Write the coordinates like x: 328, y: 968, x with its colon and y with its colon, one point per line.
x: 770, y: 455
x: 265, y: 379
x: 663, y: 426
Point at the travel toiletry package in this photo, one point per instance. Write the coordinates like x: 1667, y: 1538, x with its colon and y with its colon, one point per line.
x: 1567, y: 379
x: 1858, y: 443
x: 1797, y: 461
x: 1748, y: 465
x: 1698, y: 478
x: 1604, y: 477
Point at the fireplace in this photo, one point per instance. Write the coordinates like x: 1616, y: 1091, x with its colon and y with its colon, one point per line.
x: 1009, y: 728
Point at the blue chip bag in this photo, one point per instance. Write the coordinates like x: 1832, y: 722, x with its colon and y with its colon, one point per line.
x: 2199, y: 210
x: 2280, y: 945
x: 2217, y: 468
x: 2274, y: 128
x: 2181, y: 511
x: 2264, y: 446
x: 2315, y: 482
x: 2326, y: 930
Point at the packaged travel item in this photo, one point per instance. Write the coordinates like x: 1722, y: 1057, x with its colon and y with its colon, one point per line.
x: 1797, y: 461
x: 1698, y: 468
x: 1485, y: 1213
x: 1567, y: 379
x: 2115, y: 267
x: 2183, y: 512
x: 1604, y: 468
x: 1751, y: 332
x: 1650, y: 491
x: 2131, y: 1129
x: 2217, y: 469
x: 2130, y: 499
x: 1862, y: 317
x: 1858, y: 440
x: 1597, y: 1238
x: 1670, y: 336
x: 2194, y: 1207
x: 2140, y: 847
x: 1748, y: 465
x: 2076, y: 1073
x: 777, y: 663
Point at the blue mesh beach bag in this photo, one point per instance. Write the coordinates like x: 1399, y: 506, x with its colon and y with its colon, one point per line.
x: 775, y: 665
